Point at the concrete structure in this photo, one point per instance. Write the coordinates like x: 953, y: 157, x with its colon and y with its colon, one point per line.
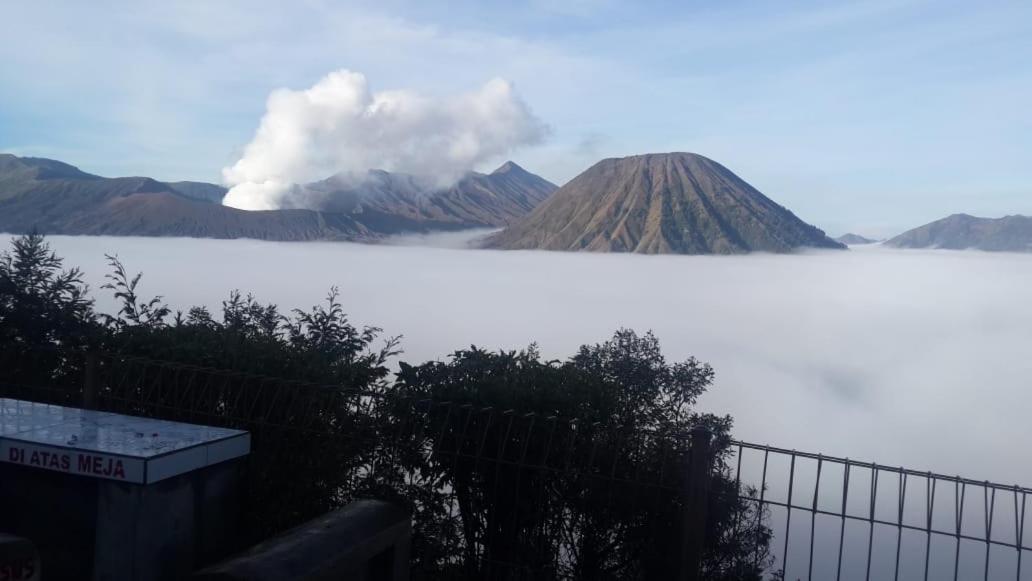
x: 19, y: 560
x: 367, y: 540
x: 105, y: 496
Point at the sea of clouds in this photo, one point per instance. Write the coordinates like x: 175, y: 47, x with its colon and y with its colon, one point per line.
x: 906, y: 357
x: 903, y: 357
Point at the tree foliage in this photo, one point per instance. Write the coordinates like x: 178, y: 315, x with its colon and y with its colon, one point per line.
x: 585, y: 481
x: 510, y: 463
x: 41, y: 304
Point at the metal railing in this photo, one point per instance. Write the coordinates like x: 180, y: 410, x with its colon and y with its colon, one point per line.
x: 836, y: 518
x: 495, y: 493
x: 502, y: 494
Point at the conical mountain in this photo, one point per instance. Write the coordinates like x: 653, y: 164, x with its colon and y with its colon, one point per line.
x: 676, y: 203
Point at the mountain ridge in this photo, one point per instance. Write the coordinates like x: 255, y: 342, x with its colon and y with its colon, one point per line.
x: 54, y: 197
x: 477, y: 200
x: 1011, y: 233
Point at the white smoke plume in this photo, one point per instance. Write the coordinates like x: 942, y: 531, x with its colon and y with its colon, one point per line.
x: 339, y: 125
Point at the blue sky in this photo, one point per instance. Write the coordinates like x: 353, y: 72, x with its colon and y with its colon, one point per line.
x: 866, y: 116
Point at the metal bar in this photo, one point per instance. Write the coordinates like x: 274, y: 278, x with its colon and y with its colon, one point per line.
x: 990, y: 507
x: 1019, y: 540
x: 738, y: 488
x: 813, y: 517
x: 870, y: 532
x: 788, y: 516
x: 860, y: 464
x: 738, y: 493
x: 899, y: 523
x: 759, y: 510
x: 842, y: 530
x: 929, y: 506
x: 959, y: 492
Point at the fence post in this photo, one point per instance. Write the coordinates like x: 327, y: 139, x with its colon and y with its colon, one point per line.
x: 89, y: 381
x: 696, y: 503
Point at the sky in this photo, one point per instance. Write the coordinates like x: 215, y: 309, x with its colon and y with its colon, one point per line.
x: 872, y: 116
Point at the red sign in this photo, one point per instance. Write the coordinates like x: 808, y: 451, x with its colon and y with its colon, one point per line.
x: 73, y: 461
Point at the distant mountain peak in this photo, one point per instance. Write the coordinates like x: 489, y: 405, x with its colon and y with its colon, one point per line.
x: 406, y: 202
x: 509, y: 166
x: 660, y: 203
x: 41, y: 167
x: 963, y: 231
x: 851, y: 239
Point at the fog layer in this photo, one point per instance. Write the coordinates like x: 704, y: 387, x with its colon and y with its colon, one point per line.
x: 916, y: 358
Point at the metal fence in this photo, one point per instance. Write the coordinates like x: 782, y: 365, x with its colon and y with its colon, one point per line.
x: 835, y: 518
x: 501, y: 494
x: 495, y: 493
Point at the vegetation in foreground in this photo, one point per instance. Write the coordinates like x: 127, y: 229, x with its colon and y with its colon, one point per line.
x: 509, y: 462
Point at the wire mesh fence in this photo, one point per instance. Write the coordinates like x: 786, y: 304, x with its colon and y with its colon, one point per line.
x: 835, y: 518
x: 503, y: 494
x: 495, y: 493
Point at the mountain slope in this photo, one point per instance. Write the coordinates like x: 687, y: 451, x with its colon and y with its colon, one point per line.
x: 56, y: 198
x: 200, y: 191
x: 397, y: 202
x: 660, y: 203
x: 961, y: 231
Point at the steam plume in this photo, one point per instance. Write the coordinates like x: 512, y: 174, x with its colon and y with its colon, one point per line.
x: 339, y: 125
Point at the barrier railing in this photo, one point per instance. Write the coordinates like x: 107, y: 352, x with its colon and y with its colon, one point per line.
x: 501, y: 494
x: 835, y: 518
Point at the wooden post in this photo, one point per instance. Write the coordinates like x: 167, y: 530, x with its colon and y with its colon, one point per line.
x: 696, y: 504
x: 89, y: 382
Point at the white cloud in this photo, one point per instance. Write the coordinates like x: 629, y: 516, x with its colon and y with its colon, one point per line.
x: 912, y: 358
x: 340, y: 125
x: 915, y: 358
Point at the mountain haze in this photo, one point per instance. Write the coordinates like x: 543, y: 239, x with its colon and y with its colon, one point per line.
x: 854, y: 239
x: 962, y: 231
x: 679, y: 203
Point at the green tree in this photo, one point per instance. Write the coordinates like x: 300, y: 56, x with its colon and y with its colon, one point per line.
x: 313, y: 434
x: 584, y: 480
x: 45, y: 311
x: 41, y: 304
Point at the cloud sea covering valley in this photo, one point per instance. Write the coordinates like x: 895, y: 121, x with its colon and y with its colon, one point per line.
x: 904, y: 357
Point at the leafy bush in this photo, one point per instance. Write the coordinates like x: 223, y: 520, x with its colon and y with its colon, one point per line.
x: 510, y: 463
